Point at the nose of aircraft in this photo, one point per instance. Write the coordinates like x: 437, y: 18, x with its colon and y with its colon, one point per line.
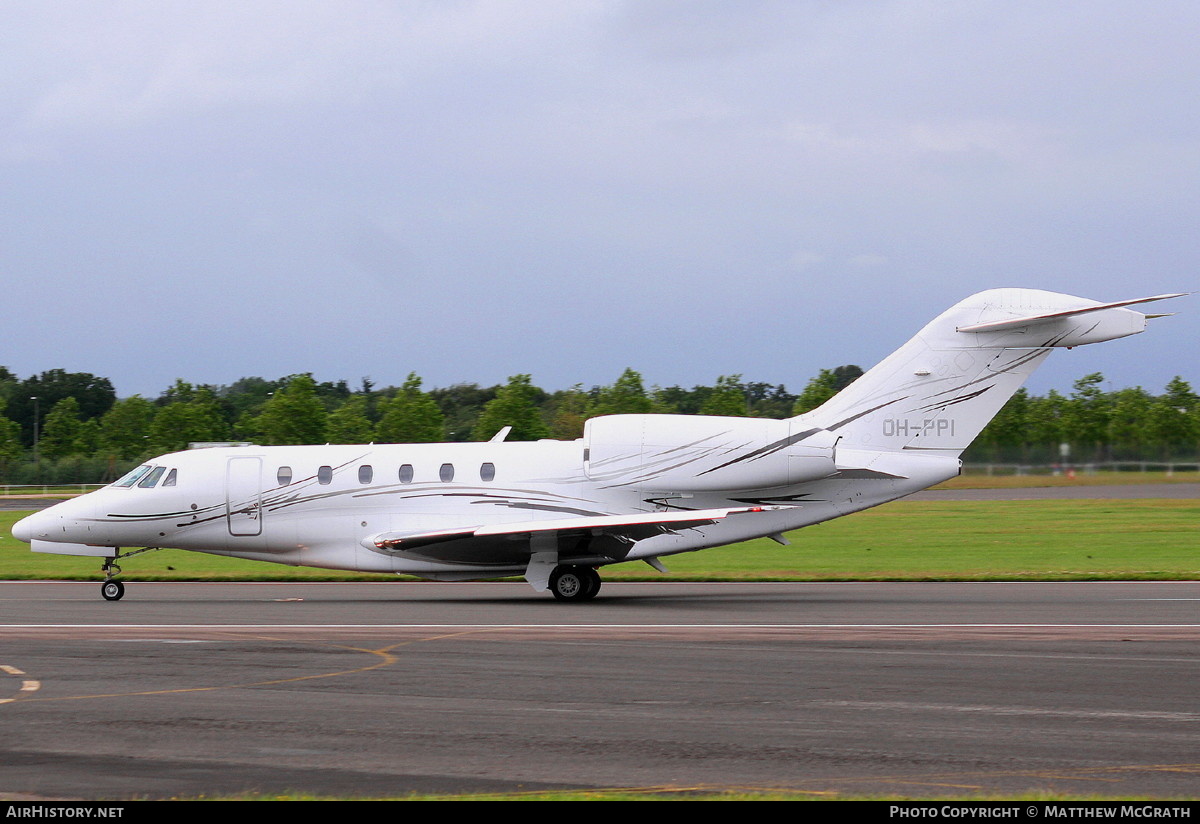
x: 23, y: 529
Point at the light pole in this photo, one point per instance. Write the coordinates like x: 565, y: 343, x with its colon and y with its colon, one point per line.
x: 37, y: 462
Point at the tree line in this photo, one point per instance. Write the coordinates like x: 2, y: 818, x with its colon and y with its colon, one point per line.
x: 60, y: 426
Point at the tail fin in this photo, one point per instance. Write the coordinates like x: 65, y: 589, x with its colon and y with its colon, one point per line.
x: 939, y: 390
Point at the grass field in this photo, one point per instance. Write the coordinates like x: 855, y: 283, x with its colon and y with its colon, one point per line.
x: 973, y: 480
x: 1149, y: 539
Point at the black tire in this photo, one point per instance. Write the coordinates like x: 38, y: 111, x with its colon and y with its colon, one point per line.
x: 112, y: 590
x: 592, y: 577
x: 569, y: 583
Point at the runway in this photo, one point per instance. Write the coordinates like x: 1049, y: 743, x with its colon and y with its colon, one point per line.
x: 386, y: 689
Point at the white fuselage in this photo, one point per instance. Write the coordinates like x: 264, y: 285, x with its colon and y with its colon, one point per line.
x: 321, y: 506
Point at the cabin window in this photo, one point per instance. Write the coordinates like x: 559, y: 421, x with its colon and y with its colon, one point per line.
x: 487, y: 472
x: 170, y: 481
x: 406, y: 474
x: 365, y: 473
x: 132, y: 477
x: 151, y: 479
x: 446, y: 473
x: 284, y: 476
x: 324, y: 474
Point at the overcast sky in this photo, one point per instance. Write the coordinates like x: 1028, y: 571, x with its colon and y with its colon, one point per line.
x: 470, y: 190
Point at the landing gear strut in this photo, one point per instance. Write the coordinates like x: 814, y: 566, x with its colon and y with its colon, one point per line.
x: 574, y: 583
x: 111, y: 590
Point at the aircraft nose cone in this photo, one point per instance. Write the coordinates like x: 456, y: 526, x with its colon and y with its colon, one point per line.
x: 23, y: 529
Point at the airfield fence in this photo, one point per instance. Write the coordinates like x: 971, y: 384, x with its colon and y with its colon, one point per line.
x: 1168, y: 467
x: 10, y: 490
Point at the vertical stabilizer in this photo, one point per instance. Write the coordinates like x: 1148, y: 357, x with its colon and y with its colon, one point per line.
x: 939, y: 390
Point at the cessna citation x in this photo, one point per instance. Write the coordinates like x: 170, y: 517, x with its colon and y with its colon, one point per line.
x: 634, y: 487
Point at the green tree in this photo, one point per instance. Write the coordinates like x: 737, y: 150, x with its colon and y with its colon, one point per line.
x: 197, y: 419
x: 60, y: 436
x: 817, y: 391
x: 515, y: 405
x: 125, y: 428
x: 349, y: 422
x: 410, y: 416
x: 727, y: 398
x: 88, y: 440
x: 461, y: 405
x: 626, y: 396
x: 10, y: 442
x: 294, y: 414
x: 246, y: 397
x: 1086, y: 416
x: 769, y: 401
x: 568, y: 413
x: 1009, y: 430
x: 673, y: 400
x: 1045, y: 422
x: 1129, y: 413
x: 93, y: 394
x: 1174, y: 417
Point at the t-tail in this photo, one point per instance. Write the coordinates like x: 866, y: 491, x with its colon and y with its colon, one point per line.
x: 938, y: 391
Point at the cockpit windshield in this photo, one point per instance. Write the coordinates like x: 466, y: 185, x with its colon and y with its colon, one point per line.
x: 132, y: 477
x: 147, y: 476
x: 151, y: 479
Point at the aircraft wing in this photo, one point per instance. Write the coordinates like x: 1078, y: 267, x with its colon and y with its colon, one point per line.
x: 626, y: 528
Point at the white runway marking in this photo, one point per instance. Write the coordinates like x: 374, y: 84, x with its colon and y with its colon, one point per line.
x: 1000, y: 710
x: 596, y: 626
x: 27, y: 685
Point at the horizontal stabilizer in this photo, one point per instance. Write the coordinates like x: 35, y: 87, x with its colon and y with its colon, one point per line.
x: 1030, y: 320
x: 633, y: 527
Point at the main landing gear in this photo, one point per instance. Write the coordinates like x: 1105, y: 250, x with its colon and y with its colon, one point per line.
x: 574, y: 583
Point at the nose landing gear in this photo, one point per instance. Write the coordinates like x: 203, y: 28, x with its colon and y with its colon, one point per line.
x: 111, y: 590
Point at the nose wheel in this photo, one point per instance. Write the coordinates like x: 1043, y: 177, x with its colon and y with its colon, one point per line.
x: 112, y: 590
x: 572, y: 583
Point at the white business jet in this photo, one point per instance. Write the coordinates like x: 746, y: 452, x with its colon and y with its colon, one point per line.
x: 634, y: 487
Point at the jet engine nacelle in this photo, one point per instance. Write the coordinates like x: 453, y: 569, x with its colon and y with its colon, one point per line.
x: 690, y: 453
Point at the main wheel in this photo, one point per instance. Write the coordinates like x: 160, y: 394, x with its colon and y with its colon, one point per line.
x: 112, y: 590
x: 570, y: 583
x: 592, y: 579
